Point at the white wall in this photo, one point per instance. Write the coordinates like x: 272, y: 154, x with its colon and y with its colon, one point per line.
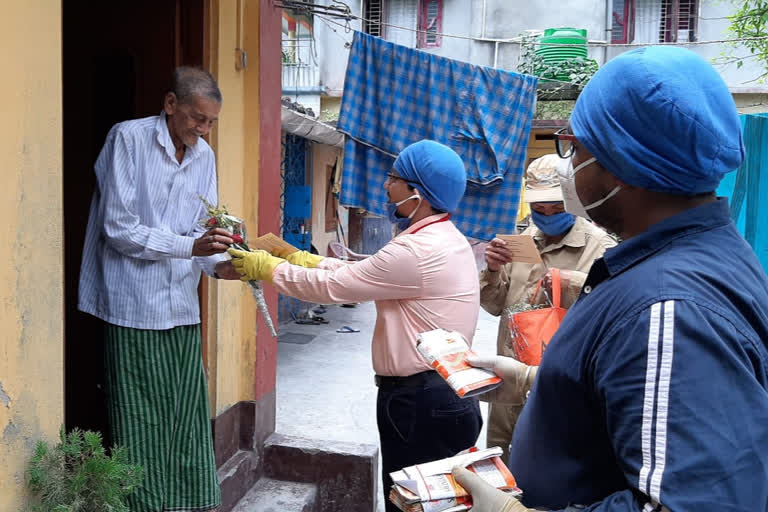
x: 713, y: 29
x: 330, y: 48
x: 506, y: 20
x: 712, y: 25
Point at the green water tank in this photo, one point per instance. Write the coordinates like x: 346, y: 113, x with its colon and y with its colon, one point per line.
x: 558, y: 36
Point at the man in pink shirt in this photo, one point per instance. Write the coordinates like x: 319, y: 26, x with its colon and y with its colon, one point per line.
x: 423, y: 279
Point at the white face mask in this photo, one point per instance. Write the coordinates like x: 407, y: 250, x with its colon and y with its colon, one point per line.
x: 402, y: 222
x: 414, y: 196
x: 567, y: 174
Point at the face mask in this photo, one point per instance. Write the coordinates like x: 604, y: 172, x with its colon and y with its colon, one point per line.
x: 402, y: 222
x: 553, y: 225
x: 567, y: 174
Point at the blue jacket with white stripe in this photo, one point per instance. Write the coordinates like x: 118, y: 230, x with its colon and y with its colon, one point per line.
x: 654, y: 391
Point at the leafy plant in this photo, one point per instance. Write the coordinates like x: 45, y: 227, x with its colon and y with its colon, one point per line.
x: 578, y: 70
x: 749, y: 20
x: 554, y: 109
x: 528, y: 62
x: 328, y: 115
x: 77, y: 475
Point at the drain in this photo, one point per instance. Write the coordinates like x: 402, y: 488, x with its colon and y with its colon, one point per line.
x: 296, y: 338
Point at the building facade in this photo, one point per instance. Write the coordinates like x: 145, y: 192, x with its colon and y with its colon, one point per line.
x: 489, y: 33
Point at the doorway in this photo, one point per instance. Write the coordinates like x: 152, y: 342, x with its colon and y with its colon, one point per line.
x: 117, y: 60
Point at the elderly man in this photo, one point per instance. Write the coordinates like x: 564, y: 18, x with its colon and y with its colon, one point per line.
x: 423, y: 279
x: 141, y: 266
x: 653, y: 395
x: 565, y: 242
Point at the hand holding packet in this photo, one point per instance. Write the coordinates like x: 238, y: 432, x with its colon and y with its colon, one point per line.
x: 446, y: 352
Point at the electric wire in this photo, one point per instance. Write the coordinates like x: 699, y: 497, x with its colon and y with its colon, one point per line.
x: 564, y: 82
x: 516, y: 40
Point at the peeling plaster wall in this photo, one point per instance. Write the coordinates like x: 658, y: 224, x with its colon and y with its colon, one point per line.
x: 31, y: 299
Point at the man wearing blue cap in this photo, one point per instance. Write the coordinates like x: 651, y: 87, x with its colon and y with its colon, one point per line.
x: 653, y: 394
x: 425, y: 278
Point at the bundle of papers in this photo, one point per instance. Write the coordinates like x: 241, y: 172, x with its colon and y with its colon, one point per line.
x: 430, y: 487
x: 446, y: 352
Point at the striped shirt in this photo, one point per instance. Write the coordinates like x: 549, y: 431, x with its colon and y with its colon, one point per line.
x: 137, y: 269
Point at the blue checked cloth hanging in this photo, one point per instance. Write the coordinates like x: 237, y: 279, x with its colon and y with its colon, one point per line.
x: 394, y: 96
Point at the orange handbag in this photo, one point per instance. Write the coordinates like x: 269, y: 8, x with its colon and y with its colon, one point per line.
x: 532, y: 330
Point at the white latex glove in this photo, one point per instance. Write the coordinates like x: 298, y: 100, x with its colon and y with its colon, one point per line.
x: 485, y: 497
x: 518, y: 378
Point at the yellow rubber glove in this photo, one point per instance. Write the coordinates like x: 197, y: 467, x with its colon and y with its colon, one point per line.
x: 303, y: 259
x: 485, y: 497
x: 255, y: 265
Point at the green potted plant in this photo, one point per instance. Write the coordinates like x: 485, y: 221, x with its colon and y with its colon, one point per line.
x: 77, y: 475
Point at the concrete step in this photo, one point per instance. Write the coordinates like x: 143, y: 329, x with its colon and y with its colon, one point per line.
x: 269, y: 495
x: 237, y: 476
x: 346, y: 474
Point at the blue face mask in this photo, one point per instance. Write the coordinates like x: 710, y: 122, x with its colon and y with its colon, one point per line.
x: 553, y: 225
x: 402, y: 223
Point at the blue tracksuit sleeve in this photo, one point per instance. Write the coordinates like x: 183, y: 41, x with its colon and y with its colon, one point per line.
x: 684, y: 394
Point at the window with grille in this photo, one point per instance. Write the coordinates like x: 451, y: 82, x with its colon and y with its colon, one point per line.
x: 654, y: 21
x: 678, y: 21
x: 430, y: 23
x: 621, y: 28
x: 373, y: 14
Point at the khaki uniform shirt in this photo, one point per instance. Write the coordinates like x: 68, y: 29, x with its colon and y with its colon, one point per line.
x: 515, y: 283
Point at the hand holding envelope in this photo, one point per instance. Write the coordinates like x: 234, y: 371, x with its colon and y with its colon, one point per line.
x: 511, y: 248
x: 522, y: 247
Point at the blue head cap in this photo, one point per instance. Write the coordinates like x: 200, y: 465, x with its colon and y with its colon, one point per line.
x: 662, y: 119
x: 436, y: 171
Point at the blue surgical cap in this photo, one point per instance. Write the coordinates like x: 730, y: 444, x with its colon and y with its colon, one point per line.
x: 662, y: 119
x: 436, y: 171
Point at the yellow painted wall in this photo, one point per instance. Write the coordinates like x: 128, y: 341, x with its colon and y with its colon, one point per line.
x: 232, y: 310
x: 330, y: 106
x: 31, y: 206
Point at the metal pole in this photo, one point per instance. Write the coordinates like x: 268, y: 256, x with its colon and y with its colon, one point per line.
x: 482, y: 30
x: 608, y: 27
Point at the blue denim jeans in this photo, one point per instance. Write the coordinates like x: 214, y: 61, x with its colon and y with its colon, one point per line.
x: 423, y: 423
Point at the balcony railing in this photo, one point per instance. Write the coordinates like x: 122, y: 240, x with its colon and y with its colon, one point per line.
x: 300, y: 69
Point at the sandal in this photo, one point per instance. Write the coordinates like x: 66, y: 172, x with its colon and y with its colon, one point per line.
x: 317, y: 320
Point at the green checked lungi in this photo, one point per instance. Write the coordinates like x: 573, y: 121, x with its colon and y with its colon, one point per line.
x: 157, y: 398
